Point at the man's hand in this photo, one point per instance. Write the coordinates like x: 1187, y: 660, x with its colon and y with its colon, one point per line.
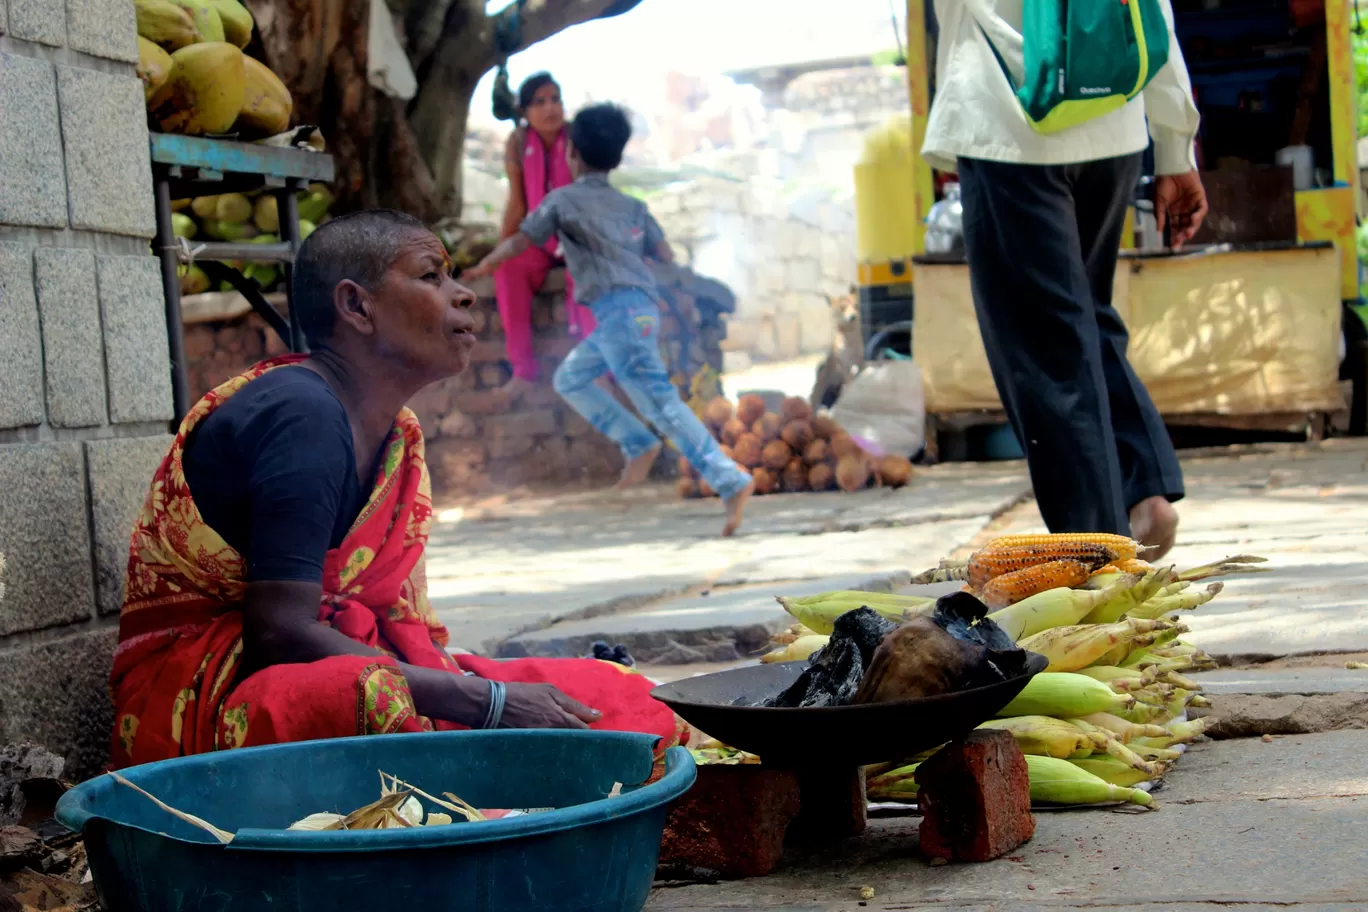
x: 1180, y: 203
x: 544, y: 706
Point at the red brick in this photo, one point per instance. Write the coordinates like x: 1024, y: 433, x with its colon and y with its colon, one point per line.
x: 732, y: 821
x: 975, y: 799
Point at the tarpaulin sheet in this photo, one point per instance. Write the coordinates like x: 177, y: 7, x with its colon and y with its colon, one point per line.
x: 1236, y: 333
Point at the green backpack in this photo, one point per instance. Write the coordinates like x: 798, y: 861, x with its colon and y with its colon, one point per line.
x: 1086, y: 58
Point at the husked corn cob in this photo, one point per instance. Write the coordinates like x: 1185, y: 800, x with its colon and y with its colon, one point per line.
x: 898, y: 784
x: 993, y: 561
x: 1126, y: 731
x: 1117, y: 772
x: 1127, y: 565
x: 1125, y: 548
x: 1128, y: 600
x: 818, y: 613
x: 1019, y: 585
x: 1065, y: 695
x: 1050, y: 737
x: 1076, y: 647
x: 1061, y: 782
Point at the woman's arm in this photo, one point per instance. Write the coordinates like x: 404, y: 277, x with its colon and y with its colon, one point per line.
x: 280, y: 627
x: 516, y: 208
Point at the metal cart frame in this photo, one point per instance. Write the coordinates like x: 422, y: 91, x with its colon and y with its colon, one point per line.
x: 189, y: 166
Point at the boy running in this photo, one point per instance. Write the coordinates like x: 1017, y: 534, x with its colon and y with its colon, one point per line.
x: 605, y: 237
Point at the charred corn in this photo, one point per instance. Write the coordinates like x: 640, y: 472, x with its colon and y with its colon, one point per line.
x: 1056, y: 781
x: 1124, y: 548
x: 994, y: 560
x: 1019, y: 585
x: 1065, y: 696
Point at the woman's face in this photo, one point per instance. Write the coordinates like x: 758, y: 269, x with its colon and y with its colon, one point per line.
x: 422, y: 315
x: 546, y: 113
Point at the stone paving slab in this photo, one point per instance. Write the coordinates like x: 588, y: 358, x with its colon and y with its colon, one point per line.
x: 1283, y: 681
x: 725, y: 626
x: 498, y: 572
x: 1300, y: 507
x: 1252, y: 836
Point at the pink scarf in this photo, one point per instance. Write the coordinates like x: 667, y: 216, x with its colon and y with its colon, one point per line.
x: 545, y: 170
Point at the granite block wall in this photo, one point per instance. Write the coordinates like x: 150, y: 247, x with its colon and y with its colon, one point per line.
x: 85, y: 388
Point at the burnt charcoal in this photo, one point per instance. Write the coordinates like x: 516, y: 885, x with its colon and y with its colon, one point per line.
x: 866, y: 628
x: 831, y: 680
x: 954, y: 648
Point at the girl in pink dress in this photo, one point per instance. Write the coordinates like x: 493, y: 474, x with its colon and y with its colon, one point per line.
x: 536, y: 163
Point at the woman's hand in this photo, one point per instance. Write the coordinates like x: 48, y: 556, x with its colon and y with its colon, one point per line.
x: 544, y: 706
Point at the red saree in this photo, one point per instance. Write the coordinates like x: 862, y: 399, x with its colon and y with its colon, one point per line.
x: 175, y: 685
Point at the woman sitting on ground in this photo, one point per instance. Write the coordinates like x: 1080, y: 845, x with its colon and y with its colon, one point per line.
x: 276, y: 587
x: 536, y: 162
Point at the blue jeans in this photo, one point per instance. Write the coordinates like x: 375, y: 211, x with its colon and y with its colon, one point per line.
x: 626, y: 344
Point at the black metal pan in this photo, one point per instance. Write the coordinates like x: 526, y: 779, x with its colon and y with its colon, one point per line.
x: 830, y: 735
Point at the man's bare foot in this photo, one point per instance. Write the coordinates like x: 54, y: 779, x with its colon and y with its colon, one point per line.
x: 516, y: 388
x: 735, y: 505
x: 636, y: 470
x: 1154, y: 522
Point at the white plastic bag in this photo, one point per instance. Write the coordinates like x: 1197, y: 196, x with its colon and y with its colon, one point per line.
x: 884, y: 406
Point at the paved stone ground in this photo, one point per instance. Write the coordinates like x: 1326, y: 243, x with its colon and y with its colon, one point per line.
x: 521, y: 578
x: 1247, y: 824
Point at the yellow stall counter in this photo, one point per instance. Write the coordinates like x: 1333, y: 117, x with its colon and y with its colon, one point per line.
x: 1234, y: 333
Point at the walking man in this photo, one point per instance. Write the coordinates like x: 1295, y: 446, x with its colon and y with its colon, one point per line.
x: 1043, y: 216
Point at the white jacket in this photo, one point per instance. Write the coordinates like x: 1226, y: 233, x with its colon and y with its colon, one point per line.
x: 975, y: 114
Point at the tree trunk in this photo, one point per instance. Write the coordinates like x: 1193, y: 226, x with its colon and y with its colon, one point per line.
x: 438, y: 116
x: 319, y: 50
x: 388, y: 153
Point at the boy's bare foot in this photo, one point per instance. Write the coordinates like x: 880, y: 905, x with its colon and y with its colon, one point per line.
x: 735, y: 505
x: 1154, y: 522
x: 636, y: 470
x: 516, y: 388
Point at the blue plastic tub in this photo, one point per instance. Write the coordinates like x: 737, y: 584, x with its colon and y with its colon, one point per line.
x: 592, y: 853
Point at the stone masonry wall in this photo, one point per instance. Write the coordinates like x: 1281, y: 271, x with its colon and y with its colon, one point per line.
x: 475, y: 444
x: 85, y: 387
x: 784, y: 251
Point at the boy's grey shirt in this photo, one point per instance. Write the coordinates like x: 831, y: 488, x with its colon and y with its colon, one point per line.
x: 604, y: 236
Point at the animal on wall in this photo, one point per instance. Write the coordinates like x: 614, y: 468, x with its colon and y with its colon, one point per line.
x: 847, y: 350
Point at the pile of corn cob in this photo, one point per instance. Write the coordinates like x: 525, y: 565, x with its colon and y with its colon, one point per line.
x: 1108, y: 717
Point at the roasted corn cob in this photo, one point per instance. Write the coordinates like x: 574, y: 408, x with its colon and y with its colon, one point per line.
x: 1019, y: 585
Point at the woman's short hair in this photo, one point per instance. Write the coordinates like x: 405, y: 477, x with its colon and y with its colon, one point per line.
x: 359, y: 246
x: 531, y: 85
